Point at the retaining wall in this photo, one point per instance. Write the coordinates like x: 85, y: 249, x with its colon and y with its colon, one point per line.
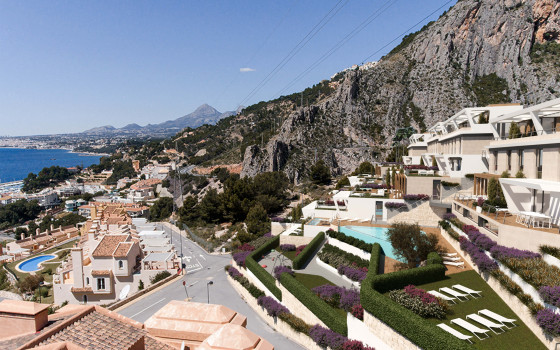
x: 295, y: 240
x: 392, y: 338
x: 349, y: 248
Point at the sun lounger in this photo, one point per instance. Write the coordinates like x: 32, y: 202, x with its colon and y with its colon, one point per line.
x: 471, y: 328
x: 483, y: 321
x: 451, y: 258
x: 467, y: 290
x: 503, y: 320
x: 456, y: 264
x: 455, y: 332
x: 442, y: 296
x: 450, y: 254
x: 454, y: 293
x: 364, y: 220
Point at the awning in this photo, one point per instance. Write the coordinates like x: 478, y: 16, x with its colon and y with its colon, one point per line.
x: 158, y: 257
x: 535, y: 184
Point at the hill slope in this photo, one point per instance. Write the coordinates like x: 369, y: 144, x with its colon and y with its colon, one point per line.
x: 479, y: 52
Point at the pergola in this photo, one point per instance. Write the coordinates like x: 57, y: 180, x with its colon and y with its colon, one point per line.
x: 545, y: 118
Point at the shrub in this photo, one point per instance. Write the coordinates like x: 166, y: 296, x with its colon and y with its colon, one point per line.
x: 395, y: 205
x: 287, y: 247
x: 300, y: 248
x: 355, y: 274
x: 247, y: 247
x: 358, y: 243
x: 240, y: 257
x: 315, y: 304
x: 252, y: 265
x: 279, y: 270
x: 534, y: 271
x: 516, y: 290
x: 417, y: 304
x: 295, y: 322
x: 416, y: 197
x: 549, y: 321
x: 450, y: 184
x: 233, y: 272
x: 480, y: 239
x: 355, y: 345
x: 550, y: 250
x: 500, y: 253
x: 327, y: 338
x: 480, y: 259
x: 335, y: 257
x: 410, y: 243
x: 251, y: 288
x: 140, y: 285
x: 30, y: 283
x: 358, y: 312
x: 160, y: 276
x: 448, y: 216
x: 339, y: 297
x: 309, y: 250
x: 272, y: 307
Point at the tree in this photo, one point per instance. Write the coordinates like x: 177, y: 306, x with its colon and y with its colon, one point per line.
x: 161, y: 209
x: 257, y: 221
x: 495, y: 193
x: 519, y: 174
x: 342, y: 182
x: 364, y: 168
x: 30, y: 283
x: 210, y: 206
x: 514, y: 131
x: 388, y: 178
x: 411, y: 244
x: 320, y: 173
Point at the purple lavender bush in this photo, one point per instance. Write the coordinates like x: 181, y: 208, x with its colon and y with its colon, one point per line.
x: 355, y: 274
x: 395, y: 205
x: 272, y: 307
x: 500, y: 252
x: 549, y: 321
x: 279, y: 270
x: 326, y: 338
x: 338, y: 296
x: 277, y: 219
x: 287, y: 247
x: 449, y: 216
x: 416, y: 197
x: 233, y: 272
x: 240, y: 257
x: 480, y: 259
x: 551, y: 295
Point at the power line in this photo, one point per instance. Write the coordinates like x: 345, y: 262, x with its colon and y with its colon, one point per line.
x: 407, y: 31
x: 301, y: 44
x: 340, y: 43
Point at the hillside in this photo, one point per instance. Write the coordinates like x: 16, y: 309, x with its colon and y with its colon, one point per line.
x: 477, y: 53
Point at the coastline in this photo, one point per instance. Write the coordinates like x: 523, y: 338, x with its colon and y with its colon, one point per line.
x: 62, y: 149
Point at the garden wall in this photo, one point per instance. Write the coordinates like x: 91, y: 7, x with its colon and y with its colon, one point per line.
x: 335, y: 271
x: 295, y: 240
x: 358, y: 330
x: 312, y: 231
x: 277, y: 228
x: 292, y: 303
x: 391, y: 337
x: 349, y: 248
x: 549, y: 259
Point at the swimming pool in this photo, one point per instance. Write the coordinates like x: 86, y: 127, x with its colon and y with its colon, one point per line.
x: 371, y: 235
x: 315, y: 221
x: 32, y: 264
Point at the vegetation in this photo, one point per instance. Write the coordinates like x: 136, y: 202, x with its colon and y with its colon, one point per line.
x: 18, y: 212
x: 161, y: 209
x: 320, y: 173
x: 309, y: 251
x: 495, y: 193
x: 544, y: 52
x: 490, y: 89
x: 160, y: 276
x: 358, y: 243
x: 259, y: 272
x: 364, y: 168
x: 45, y: 178
x: 514, y: 131
x: 121, y: 169
x: 30, y: 283
x: 257, y: 221
x: 342, y: 183
x: 336, y: 257
x: 70, y: 219
x: 411, y: 244
x: 550, y: 250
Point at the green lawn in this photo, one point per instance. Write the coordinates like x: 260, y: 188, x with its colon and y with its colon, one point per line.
x: 290, y: 255
x: 312, y: 281
x: 516, y: 338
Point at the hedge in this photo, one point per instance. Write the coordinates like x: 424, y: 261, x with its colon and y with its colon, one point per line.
x: 434, y: 259
x: 316, y: 305
x: 358, y: 243
x: 308, y: 252
x: 259, y: 272
x: 422, y: 333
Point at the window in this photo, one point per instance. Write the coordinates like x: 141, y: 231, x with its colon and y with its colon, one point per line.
x: 101, y: 284
x: 121, y: 265
x: 539, y: 163
x: 520, y: 152
x: 509, y: 160
x: 495, y: 160
x: 85, y: 299
x: 87, y: 281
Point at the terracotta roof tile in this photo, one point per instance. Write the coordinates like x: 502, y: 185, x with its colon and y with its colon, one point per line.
x: 100, y: 272
x: 122, y: 249
x: 81, y: 290
x: 108, y: 244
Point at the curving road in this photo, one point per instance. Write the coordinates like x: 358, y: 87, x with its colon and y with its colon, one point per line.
x: 201, y: 269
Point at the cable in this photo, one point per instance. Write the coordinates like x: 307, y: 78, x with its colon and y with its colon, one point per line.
x: 340, y: 43
x: 316, y: 29
x: 408, y: 30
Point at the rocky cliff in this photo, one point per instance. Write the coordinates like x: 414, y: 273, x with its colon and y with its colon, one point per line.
x: 477, y: 53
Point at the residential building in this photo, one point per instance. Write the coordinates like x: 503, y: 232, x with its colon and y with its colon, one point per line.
x: 41, y: 240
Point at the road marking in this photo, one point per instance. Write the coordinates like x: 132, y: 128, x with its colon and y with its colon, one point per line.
x: 202, y: 257
x: 192, y: 284
x: 138, y: 313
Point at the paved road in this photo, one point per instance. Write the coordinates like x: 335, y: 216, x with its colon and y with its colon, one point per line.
x: 211, y: 268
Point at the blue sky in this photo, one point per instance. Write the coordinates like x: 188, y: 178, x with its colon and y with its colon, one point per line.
x: 69, y: 66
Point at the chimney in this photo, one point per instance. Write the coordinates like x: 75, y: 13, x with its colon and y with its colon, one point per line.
x: 78, y: 267
x: 22, y: 236
x: 21, y: 317
x: 37, y: 231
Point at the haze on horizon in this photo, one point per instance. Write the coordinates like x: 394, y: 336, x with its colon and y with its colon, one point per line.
x: 67, y: 67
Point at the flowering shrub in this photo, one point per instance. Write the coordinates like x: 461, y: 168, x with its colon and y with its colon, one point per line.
x: 240, y: 257
x: 480, y: 259
x: 279, y: 270
x: 246, y: 247
x: 500, y: 252
x: 480, y: 239
x: 549, y: 321
x: 449, y: 216
x: 395, y: 205
x: 300, y: 248
x: 251, y: 288
x: 272, y: 307
x: 418, y: 304
x: 355, y: 274
x: 355, y: 345
x: 416, y: 197
x: 335, y: 257
x: 233, y: 272
x: 358, y: 312
x: 534, y: 271
x: 287, y: 247
x: 325, y: 337
x: 480, y: 201
x: 268, y: 235
x: 550, y: 295
x: 374, y: 186
x: 420, y: 293
x: 340, y: 297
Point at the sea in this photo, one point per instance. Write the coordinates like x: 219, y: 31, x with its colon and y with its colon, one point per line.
x: 17, y: 163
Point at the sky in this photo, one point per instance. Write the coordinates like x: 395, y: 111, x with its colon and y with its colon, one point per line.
x: 67, y: 66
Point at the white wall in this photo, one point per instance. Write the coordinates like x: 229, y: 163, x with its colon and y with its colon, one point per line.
x: 363, y: 208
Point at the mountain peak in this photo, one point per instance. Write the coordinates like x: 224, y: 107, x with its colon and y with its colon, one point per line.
x: 205, y: 109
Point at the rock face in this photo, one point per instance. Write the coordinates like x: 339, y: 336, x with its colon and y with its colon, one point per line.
x: 479, y: 52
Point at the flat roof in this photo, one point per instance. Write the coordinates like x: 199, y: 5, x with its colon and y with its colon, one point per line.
x: 158, y: 257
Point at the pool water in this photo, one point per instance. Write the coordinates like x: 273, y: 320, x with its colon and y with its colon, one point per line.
x: 32, y: 264
x: 315, y: 221
x: 371, y: 235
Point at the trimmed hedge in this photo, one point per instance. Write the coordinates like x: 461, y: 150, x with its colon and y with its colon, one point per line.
x: 358, y: 243
x: 422, y: 333
x: 315, y: 304
x: 252, y: 265
x: 308, y: 252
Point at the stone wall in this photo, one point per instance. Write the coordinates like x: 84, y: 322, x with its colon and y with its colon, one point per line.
x: 358, y: 330
x: 391, y: 337
x: 295, y: 240
x: 277, y: 228
x: 349, y: 248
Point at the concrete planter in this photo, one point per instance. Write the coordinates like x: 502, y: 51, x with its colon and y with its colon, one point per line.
x: 478, y: 209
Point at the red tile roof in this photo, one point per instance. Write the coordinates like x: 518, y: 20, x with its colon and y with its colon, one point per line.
x: 108, y: 245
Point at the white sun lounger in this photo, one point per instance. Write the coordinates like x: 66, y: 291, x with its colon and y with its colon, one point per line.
x: 442, y: 296
x: 486, y: 322
x: 449, y: 258
x: 454, y: 293
x: 364, y: 220
x: 497, y: 317
x: 456, y: 264
x: 469, y: 291
x: 471, y: 328
x: 450, y: 254
x: 455, y: 332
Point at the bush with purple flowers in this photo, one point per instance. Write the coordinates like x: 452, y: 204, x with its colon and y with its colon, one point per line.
x: 416, y: 197
x: 480, y: 239
x: 339, y: 297
x: 234, y: 273
x: 287, y: 247
x: 277, y: 219
x: 279, y: 270
x: 240, y: 257
x: 358, y: 311
x: 549, y: 321
x: 246, y: 247
x: 449, y: 216
x: 357, y: 274
x: 550, y: 295
x: 480, y: 259
x: 395, y: 205
x: 500, y: 252
x: 272, y: 307
x: 300, y: 248
x: 327, y: 338
x: 355, y: 345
